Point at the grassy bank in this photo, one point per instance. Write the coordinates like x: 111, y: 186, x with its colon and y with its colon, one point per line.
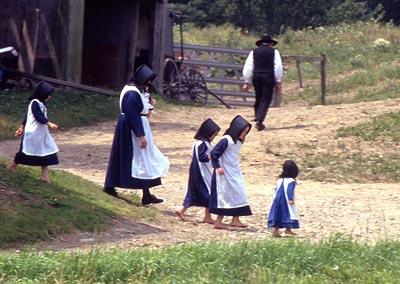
x: 336, y: 260
x: 32, y: 210
x: 65, y: 109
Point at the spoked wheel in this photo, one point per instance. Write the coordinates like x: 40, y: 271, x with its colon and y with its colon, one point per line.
x: 193, y: 86
x: 171, y: 80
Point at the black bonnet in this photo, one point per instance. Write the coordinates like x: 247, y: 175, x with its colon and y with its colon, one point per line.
x: 290, y: 169
x: 207, y: 129
x: 236, y: 127
x: 144, y: 75
x: 42, y: 91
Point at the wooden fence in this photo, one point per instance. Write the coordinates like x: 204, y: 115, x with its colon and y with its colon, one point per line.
x: 222, y: 71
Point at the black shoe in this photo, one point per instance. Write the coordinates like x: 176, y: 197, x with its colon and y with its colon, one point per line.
x: 260, y: 126
x: 151, y: 199
x: 111, y: 191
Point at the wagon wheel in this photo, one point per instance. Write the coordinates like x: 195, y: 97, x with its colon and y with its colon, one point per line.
x: 171, y: 80
x: 193, y: 86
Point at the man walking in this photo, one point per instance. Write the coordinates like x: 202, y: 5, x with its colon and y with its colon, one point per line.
x: 264, y: 68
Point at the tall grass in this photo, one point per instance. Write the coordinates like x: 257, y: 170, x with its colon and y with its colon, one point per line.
x: 337, y: 260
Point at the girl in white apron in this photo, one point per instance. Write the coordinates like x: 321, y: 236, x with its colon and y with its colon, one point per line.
x: 37, y: 145
x: 200, y: 172
x: 135, y: 161
x: 283, y: 212
x: 228, y: 196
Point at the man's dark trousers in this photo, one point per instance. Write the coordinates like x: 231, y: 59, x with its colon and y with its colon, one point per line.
x: 264, y: 88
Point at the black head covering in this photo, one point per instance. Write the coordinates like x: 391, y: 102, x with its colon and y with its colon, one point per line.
x: 42, y: 91
x: 236, y: 127
x: 206, y: 130
x: 144, y: 75
x: 266, y: 39
x: 289, y: 169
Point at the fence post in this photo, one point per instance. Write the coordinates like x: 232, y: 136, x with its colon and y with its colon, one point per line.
x: 299, y: 73
x: 323, y: 78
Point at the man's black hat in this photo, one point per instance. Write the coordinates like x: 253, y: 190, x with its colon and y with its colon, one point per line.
x: 144, y: 75
x: 236, y: 127
x: 206, y: 130
x: 266, y: 39
x: 42, y: 91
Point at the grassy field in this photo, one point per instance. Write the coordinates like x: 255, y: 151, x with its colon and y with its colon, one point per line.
x: 32, y: 210
x: 65, y: 109
x: 337, y: 260
x: 362, y: 58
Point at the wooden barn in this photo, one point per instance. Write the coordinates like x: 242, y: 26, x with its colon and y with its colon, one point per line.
x: 93, y: 42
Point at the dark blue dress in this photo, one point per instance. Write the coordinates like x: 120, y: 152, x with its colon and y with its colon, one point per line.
x: 24, y: 159
x: 119, y: 171
x: 282, y: 214
x: 197, y: 193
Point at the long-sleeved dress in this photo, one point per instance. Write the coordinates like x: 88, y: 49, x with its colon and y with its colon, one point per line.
x: 130, y: 166
x: 198, y: 191
x: 282, y: 214
x: 37, y: 146
x: 228, y: 196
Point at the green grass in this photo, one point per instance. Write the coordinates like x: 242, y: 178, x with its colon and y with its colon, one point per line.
x: 66, y: 109
x: 358, y: 63
x: 32, y: 210
x: 337, y: 260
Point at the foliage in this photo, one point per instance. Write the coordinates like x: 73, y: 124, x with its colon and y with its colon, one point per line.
x: 67, y: 109
x: 274, y: 16
x: 32, y: 210
x: 336, y: 260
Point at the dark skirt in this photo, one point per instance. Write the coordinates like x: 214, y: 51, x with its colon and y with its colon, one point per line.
x: 239, y: 211
x: 24, y: 159
x: 119, y: 171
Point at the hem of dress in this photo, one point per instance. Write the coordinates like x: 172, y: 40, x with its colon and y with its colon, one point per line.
x: 292, y: 224
x: 239, y: 211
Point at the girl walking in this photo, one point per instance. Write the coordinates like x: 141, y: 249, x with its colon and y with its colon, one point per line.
x: 283, y: 213
x: 228, y: 196
x: 37, y: 145
x: 199, y: 184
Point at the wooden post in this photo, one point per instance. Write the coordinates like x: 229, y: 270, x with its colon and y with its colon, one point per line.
x: 323, y: 78
x: 299, y: 73
x: 133, y: 41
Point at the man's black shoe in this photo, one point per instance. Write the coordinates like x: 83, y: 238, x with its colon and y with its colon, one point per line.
x: 151, y: 199
x: 111, y: 191
x: 260, y: 126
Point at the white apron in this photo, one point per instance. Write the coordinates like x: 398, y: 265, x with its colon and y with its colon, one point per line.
x: 292, y: 208
x: 147, y: 163
x: 230, y: 186
x: 205, y: 168
x: 37, y: 140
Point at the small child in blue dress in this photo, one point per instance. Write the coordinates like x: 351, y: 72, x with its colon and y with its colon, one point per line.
x: 37, y: 145
x: 283, y: 213
x: 198, y: 191
x: 228, y: 196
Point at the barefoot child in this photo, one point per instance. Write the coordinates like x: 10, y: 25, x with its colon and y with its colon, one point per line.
x: 198, y: 192
x: 37, y: 145
x: 283, y: 213
x: 228, y: 197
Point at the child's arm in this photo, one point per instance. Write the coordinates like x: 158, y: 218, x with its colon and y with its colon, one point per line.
x: 38, y: 114
x: 202, y: 153
x: 216, y: 153
x: 290, y: 192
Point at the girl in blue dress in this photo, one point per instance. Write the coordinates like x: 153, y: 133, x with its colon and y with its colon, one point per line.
x: 199, y: 184
x: 283, y: 213
x: 228, y: 195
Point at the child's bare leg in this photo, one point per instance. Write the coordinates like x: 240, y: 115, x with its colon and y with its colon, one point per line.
x: 207, y: 217
x: 181, y: 213
x: 45, y: 174
x: 12, y: 167
x: 218, y: 223
x: 276, y: 233
x: 236, y: 222
x: 289, y: 231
